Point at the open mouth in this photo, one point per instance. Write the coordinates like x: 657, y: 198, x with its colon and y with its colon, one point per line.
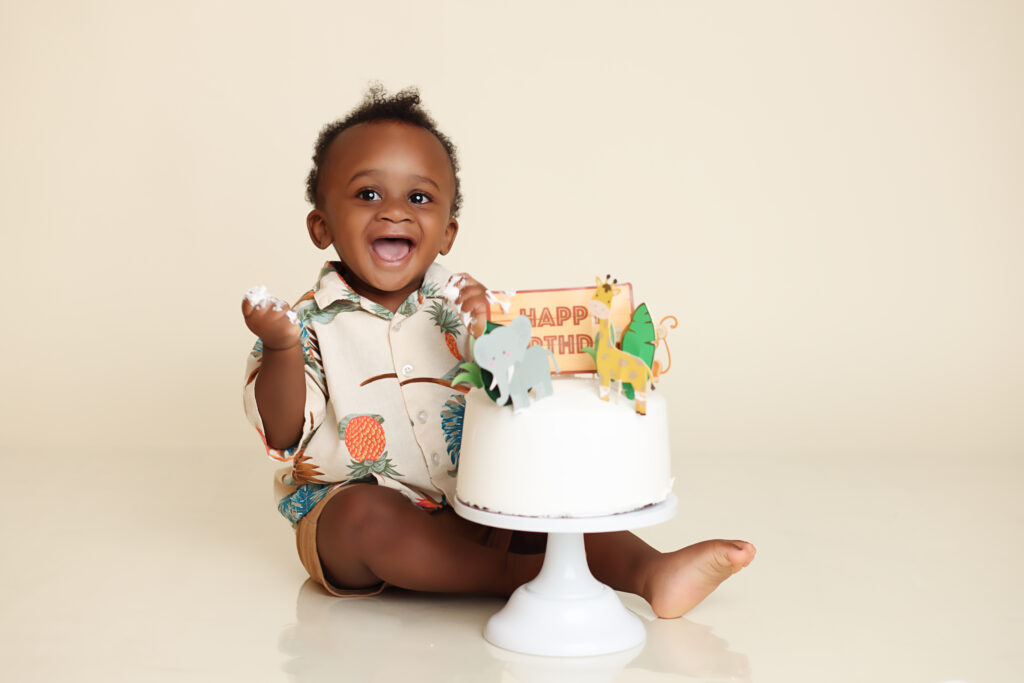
x: 391, y: 249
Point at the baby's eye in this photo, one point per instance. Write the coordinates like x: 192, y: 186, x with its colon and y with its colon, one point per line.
x: 419, y: 198
x: 368, y: 195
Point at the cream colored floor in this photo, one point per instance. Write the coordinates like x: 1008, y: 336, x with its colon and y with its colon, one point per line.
x: 901, y: 573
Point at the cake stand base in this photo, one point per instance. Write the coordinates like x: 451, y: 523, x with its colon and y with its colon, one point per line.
x: 565, y: 611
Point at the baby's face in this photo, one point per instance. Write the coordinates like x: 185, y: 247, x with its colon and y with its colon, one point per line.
x: 386, y: 191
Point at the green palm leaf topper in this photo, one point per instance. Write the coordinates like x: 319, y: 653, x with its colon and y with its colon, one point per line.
x: 639, y: 339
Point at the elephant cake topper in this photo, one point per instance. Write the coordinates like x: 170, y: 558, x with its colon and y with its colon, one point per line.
x: 507, y: 367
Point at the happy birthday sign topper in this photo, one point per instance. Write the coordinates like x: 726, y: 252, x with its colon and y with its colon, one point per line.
x: 562, y: 322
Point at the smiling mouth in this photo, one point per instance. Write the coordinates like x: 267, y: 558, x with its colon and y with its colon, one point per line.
x: 391, y: 249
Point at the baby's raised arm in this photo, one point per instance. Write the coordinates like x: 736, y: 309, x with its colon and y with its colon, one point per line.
x: 281, y: 384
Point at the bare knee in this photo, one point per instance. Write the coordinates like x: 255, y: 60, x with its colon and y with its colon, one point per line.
x: 358, y: 515
x: 350, y: 531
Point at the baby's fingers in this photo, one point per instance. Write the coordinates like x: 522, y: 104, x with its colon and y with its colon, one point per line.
x: 253, y: 312
x: 270, y: 319
x: 470, y: 289
x: 470, y: 298
x: 477, y: 310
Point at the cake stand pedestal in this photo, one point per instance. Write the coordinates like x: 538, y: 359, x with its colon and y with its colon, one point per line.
x: 565, y: 611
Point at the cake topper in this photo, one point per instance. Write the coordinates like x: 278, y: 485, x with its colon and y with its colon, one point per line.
x: 617, y: 364
x: 661, y: 333
x: 639, y: 339
x: 513, y: 367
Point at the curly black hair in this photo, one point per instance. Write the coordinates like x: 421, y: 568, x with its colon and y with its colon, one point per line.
x: 377, y: 105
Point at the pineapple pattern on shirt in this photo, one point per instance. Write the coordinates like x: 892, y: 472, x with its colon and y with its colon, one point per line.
x: 379, y: 403
x: 364, y: 438
x: 450, y: 324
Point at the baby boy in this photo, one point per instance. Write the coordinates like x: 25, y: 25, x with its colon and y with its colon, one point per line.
x: 352, y: 387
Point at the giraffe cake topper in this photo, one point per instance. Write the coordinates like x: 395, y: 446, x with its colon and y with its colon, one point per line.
x: 628, y: 363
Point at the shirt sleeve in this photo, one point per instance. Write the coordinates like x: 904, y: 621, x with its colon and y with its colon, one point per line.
x: 316, y: 394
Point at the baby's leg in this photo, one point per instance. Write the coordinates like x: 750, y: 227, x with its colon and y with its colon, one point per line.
x: 673, y: 583
x: 368, y: 534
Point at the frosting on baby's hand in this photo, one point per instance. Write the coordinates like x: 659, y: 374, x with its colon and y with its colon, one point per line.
x: 451, y: 293
x: 258, y: 296
x: 505, y: 304
x: 453, y: 290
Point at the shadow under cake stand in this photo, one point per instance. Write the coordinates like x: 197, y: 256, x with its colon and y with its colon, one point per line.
x: 565, y: 611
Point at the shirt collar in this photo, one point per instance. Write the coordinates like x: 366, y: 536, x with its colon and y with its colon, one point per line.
x: 331, y: 288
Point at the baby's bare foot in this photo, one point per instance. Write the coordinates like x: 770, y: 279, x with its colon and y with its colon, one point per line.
x: 680, y: 580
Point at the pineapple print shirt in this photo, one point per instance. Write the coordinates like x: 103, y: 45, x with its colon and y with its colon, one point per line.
x: 379, y: 401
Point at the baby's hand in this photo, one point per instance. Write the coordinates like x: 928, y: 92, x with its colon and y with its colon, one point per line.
x: 471, y: 298
x: 270, y: 319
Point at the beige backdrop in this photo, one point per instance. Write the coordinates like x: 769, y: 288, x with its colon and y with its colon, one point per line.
x: 828, y: 195
x: 828, y: 198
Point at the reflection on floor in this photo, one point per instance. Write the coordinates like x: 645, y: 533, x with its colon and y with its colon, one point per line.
x: 427, y: 634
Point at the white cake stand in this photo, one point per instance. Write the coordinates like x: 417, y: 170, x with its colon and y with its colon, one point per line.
x: 565, y: 611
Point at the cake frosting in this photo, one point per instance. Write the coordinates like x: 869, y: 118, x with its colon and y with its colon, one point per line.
x: 567, y: 455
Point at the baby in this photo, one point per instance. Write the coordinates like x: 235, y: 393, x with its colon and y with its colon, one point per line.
x: 352, y: 387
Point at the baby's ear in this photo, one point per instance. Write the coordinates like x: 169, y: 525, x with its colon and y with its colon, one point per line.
x: 316, y: 223
x: 450, y: 231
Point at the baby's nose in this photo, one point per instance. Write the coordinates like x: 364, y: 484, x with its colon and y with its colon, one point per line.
x: 394, y: 210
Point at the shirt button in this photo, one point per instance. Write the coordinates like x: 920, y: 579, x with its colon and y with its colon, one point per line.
x: 422, y: 416
x: 436, y: 458
x: 406, y: 370
x: 396, y: 327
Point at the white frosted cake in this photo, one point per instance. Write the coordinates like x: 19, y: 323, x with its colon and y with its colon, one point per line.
x: 567, y: 455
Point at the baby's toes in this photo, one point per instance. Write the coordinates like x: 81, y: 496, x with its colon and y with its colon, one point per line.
x: 739, y: 553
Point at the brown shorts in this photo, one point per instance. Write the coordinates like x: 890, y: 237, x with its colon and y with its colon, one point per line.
x: 305, y: 540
